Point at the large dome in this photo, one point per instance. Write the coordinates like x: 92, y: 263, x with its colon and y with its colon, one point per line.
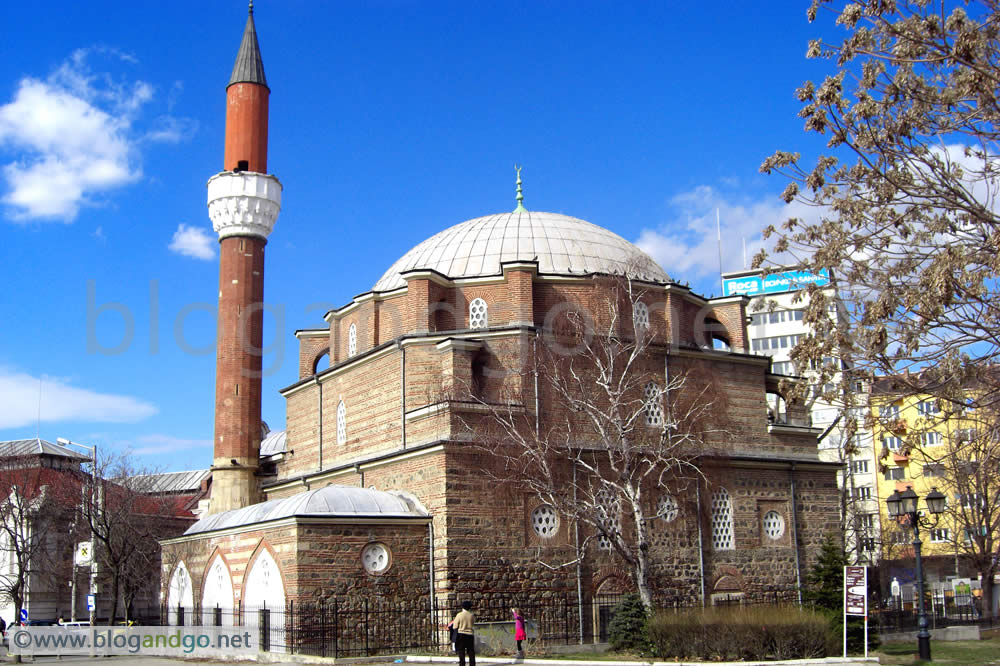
x: 560, y: 244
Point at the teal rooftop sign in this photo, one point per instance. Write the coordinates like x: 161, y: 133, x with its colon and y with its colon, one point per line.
x: 775, y: 283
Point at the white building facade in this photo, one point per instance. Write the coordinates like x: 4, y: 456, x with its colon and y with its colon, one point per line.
x: 776, y: 324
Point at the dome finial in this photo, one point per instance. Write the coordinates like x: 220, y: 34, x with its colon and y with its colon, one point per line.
x: 520, y: 197
x: 251, y: 6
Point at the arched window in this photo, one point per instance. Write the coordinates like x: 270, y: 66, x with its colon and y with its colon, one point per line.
x: 722, y: 520
x: 341, y: 423
x: 217, y: 595
x: 654, y: 405
x: 180, y: 596
x: 478, y: 314
x: 640, y: 317
x: 352, y: 340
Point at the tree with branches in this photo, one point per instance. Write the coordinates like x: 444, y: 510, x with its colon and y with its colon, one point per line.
x: 38, y: 507
x: 128, y: 517
x: 907, y: 221
x: 619, y: 425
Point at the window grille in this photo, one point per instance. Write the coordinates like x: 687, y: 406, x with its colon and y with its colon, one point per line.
x: 352, y: 340
x: 667, y: 509
x: 640, y: 316
x: 341, y: 423
x: 654, y: 405
x: 774, y: 525
x: 478, y: 314
x: 722, y: 520
x: 545, y: 521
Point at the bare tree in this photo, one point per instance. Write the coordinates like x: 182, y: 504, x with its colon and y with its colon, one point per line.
x: 128, y: 518
x: 38, y: 505
x: 906, y: 196
x: 618, y: 424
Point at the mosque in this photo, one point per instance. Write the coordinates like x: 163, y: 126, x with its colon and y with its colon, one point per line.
x: 377, y: 487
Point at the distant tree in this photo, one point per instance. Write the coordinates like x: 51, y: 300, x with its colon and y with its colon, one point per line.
x: 38, y: 505
x: 619, y: 428
x: 906, y: 194
x: 128, y: 518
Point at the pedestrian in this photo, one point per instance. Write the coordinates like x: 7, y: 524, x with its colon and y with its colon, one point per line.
x: 465, y: 638
x: 519, y: 633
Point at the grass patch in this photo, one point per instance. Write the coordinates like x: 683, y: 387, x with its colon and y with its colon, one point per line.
x: 945, y: 653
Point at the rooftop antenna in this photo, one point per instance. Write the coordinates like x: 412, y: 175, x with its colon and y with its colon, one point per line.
x: 520, y: 196
x: 718, y: 232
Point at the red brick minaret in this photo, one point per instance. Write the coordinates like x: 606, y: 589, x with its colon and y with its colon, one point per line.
x: 243, y: 203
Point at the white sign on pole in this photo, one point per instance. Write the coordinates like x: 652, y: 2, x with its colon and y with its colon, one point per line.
x: 84, y: 555
x: 91, y: 603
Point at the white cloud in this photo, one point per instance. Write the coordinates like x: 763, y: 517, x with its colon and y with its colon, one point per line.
x: 156, y: 444
x: 687, y: 244
x: 70, y: 137
x: 193, y: 242
x: 19, y: 402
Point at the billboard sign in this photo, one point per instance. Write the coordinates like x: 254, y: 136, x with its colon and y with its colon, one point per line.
x: 775, y: 283
x: 855, y: 591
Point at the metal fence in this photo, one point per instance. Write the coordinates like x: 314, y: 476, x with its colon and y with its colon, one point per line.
x: 950, y: 610
x: 349, y: 627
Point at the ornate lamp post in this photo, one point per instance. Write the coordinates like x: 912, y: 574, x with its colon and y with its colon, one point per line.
x: 904, y: 505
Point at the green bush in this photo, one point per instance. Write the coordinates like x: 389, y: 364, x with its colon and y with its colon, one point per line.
x: 735, y: 633
x: 627, y: 630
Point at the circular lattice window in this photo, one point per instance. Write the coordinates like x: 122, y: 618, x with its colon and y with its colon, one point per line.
x: 666, y: 508
x: 375, y: 558
x: 545, y: 521
x: 774, y: 525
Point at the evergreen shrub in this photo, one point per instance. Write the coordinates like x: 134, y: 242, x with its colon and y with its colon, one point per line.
x: 627, y: 630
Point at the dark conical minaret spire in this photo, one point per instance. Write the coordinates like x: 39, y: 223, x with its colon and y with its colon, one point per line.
x: 249, y: 67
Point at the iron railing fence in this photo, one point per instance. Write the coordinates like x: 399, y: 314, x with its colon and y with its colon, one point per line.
x: 952, y: 610
x: 352, y: 627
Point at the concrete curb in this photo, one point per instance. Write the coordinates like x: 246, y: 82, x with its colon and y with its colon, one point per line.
x: 826, y: 661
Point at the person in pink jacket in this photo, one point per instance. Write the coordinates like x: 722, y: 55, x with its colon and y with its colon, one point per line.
x: 519, y: 632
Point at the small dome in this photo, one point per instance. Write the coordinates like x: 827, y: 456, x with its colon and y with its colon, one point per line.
x: 328, y: 502
x: 273, y: 443
x: 561, y: 245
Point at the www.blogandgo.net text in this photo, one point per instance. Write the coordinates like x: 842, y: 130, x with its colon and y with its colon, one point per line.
x: 152, y: 641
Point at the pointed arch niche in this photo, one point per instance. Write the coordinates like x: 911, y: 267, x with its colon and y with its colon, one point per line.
x: 264, y: 601
x: 217, y: 593
x: 180, y: 593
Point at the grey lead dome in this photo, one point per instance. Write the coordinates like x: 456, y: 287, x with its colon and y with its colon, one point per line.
x: 562, y: 245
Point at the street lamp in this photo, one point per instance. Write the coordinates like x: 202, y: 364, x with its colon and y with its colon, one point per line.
x: 904, y: 505
x: 94, y: 498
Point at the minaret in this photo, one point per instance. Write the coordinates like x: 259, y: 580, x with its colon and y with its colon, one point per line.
x: 243, y: 203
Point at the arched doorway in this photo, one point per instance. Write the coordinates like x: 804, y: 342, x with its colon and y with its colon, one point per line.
x: 180, y: 596
x: 217, y: 595
x: 264, y: 602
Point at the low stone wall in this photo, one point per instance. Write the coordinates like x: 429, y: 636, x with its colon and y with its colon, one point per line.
x: 956, y: 633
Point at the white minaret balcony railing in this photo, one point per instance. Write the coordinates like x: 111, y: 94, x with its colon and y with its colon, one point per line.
x: 243, y: 203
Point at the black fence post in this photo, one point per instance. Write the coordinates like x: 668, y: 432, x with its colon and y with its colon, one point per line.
x: 336, y: 630
x: 366, y: 628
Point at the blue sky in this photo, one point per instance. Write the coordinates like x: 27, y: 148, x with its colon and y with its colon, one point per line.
x: 390, y: 121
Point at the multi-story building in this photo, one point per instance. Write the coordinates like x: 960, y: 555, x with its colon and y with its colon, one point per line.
x: 775, y: 326
x: 925, y: 443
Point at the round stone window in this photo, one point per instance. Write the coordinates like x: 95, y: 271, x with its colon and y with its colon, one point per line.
x: 375, y: 558
x: 666, y: 508
x: 774, y: 525
x: 545, y: 521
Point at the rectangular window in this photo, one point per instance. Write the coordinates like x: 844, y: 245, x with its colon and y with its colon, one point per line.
x: 859, y: 466
x: 867, y: 520
x: 970, y: 532
x: 934, y: 469
x: 863, y: 492
x: 892, y: 443
x: 899, y: 536
x: 895, y: 474
x: 797, y: 315
x: 930, y: 438
x: 888, y: 411
x: 927, y: 407
x: 940, y: 535
x: 972, y: 500
x: 868, y: 543
x: 965, y: 434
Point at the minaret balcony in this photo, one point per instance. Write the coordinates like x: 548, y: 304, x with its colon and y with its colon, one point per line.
x: 243, y: 203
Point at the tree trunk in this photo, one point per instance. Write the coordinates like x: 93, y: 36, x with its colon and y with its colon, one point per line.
x: 641, y: 567
x: 114, y: 599
x: 987, y: 585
